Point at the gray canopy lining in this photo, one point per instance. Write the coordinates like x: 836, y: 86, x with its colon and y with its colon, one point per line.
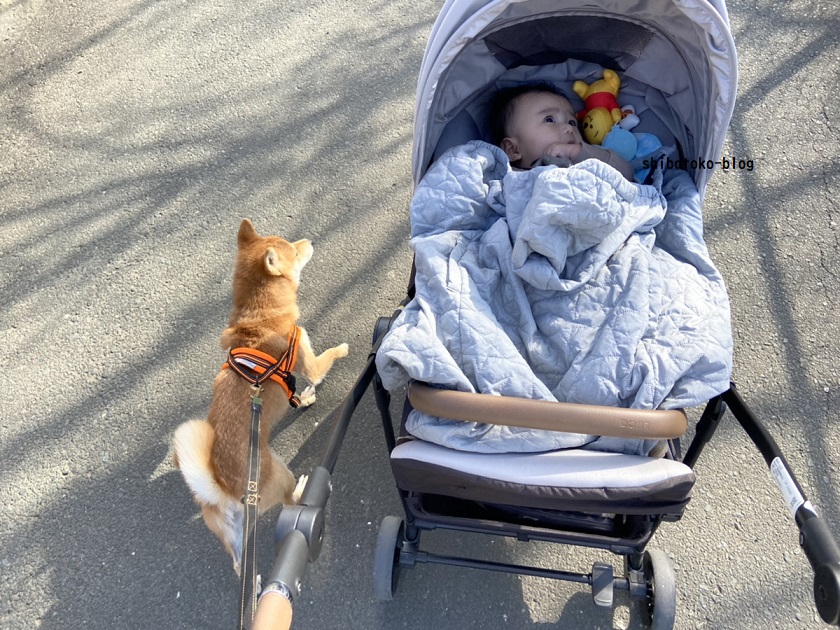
x: 682, y: 49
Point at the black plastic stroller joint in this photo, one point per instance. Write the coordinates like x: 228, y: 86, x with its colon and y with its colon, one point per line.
x: 634, y: 569
x: 823, y: 555
x: 307, y: 517
x: 291, y: 562
x: 826, y: 588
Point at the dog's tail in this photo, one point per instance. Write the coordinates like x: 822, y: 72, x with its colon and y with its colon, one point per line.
x: 193, y: 444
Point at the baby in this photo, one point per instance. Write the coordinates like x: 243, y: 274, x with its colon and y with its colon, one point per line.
x: 535, y: 125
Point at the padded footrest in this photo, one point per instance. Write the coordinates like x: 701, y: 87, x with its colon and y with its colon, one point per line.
x: 575, y: 479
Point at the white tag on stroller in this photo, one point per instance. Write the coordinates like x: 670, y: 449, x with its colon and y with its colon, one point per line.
x: 788, y: 488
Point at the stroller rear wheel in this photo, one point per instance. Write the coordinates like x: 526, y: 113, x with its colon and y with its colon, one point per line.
x: 660, y: 604
x: 386, y: 558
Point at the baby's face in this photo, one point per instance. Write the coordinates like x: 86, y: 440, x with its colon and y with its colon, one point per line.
x: 542, y: 122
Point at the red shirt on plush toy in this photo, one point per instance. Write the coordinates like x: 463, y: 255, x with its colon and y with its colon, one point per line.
x: 600, y: 107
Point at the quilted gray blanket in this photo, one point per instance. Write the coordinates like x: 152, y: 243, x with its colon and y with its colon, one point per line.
x: 567, y: 284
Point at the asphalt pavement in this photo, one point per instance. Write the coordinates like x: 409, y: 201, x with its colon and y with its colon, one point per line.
x: 135, y: 136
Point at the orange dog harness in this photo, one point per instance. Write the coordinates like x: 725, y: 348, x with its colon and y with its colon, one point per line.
x: 257, y: 367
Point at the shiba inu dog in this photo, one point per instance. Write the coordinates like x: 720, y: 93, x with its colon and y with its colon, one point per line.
x: 212, y: 454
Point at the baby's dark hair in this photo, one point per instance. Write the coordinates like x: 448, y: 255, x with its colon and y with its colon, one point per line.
x: 501, y: 108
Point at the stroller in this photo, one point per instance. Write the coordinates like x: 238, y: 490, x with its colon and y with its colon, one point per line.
x: 679, y: 60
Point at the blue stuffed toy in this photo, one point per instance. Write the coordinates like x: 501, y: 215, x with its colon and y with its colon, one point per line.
x: 633, y: 147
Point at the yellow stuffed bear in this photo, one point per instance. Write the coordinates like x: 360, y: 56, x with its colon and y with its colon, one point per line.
x: 600, y: 107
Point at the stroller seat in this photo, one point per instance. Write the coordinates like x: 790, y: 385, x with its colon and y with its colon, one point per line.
x: 577, y: 479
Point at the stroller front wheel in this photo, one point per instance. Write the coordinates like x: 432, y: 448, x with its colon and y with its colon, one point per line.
x: 386, y: 558
x: 660, y: 603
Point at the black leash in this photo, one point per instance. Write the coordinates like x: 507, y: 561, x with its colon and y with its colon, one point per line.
x: 248, y: 560
x: 258, y: 368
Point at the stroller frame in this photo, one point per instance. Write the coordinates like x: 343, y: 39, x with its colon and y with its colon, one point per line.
x: 648, y: 574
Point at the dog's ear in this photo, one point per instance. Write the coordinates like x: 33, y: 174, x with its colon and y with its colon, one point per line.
x: 247, y: 233
x: 304, y: 251
x: 272, y: 262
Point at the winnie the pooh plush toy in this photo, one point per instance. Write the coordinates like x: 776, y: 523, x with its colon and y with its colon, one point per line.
x: 600, y: 107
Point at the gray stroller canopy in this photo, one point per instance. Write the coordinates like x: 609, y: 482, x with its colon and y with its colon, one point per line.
x: 681, y: 48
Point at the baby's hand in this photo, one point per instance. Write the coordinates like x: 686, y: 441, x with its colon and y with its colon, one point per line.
x: 564, y: 150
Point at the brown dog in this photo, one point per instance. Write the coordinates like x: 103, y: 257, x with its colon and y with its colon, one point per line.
x: 212, y: 454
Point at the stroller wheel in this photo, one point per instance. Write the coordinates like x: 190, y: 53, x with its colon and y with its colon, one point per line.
x: 386, y: 558
x: 660, y: 604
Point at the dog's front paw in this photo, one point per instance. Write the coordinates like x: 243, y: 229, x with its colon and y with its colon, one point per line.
x: 307, y: 396
x: 342, y: 351
x: 301, y: 484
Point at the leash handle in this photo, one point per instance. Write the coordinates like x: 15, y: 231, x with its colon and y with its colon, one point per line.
x: 274, y: 613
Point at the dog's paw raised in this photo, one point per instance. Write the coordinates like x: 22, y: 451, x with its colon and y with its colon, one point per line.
x: 342, y: 350
x: 307, y: 396
x: 301, y: 484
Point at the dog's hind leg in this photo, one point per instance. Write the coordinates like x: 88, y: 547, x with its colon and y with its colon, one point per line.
x: 227, y: 522
x: 278, y: 486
